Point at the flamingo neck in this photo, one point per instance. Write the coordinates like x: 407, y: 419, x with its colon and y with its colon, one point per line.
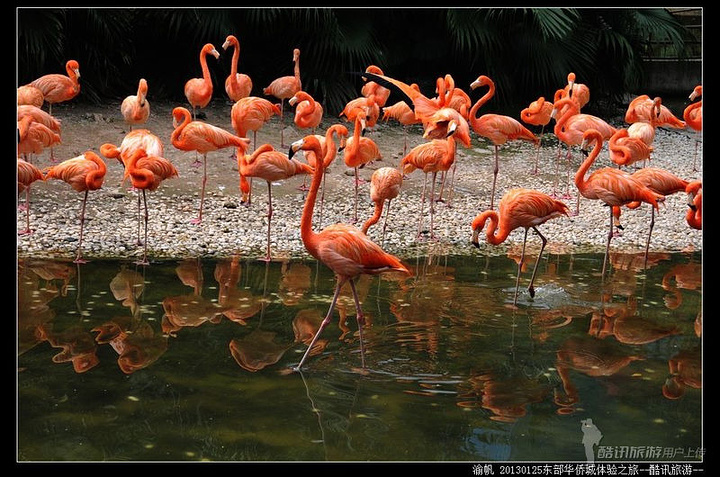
x: 375, y: 217
x: 307, y: 234
x: 481, y: 102
x: 580, y: 181
x: 235, y: 59
x: 204, y: 66
x: 491, y: 235
x: 179, y: 128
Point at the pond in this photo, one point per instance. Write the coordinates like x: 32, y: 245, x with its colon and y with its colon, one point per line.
x: 193, y: 360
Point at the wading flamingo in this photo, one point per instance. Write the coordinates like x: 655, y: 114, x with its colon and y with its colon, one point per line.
x: 270, y: 165
x: 146, y: 173
x: 198, y: 91
x: 84, y: 173
x: 610, y: 185
x: 201, y: 137
x: 498, y: 128
x: 284, y: 88
x: 342, y: 247
x: 525, y: 208
x: 135, y: 108
x: 237, y: 85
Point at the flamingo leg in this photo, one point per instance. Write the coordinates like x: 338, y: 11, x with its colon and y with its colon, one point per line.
x: 432, y: 207
x: 202, y: 192
x: 522, y: 259
x: 138, y: 242
x: 647, y: 245
x: 607, y: 247
x: 269, y: 217
x: 360, y: 316
x: 27, y: 213
x: 78, y: 258
x: 357, y: 182
x: 328, y: 316
x: 495, y: 173
x: 144, y: 260
x: 282, y: 129
x: 531, y: 287
x: 422, y: 206
x: 322, y: 201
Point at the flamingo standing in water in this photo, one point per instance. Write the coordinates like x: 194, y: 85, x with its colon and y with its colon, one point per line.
x: 198, y: 91
x: 27, y: 173
x: 135, y: 108
x: 342, y: 247
x: 58, y: 88
x: 271, y: 165
x: 237, y: 85
x: 525, y: 208
x: 496, y: 127
x: 359, y: 151
x: 84, y: 173
x: 146, y: 173
x: 693, y: 118
x: 284, y: 88
x: 385, y: 184
x: 610, y: 185
x: 201, y: 137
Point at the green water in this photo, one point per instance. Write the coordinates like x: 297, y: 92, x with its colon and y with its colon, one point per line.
x: 193, y: 360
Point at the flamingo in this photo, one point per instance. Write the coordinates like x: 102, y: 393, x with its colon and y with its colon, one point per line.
x: 329, y: 152
x: 359, y: 151
x: 135, y: 108
x: 693, y: 118
x: 271, y: 165
x: 146, y: 173
x: 538, y: 113
x: 27, y: 173
x: 284, y: 88
x: 385, y: 184
x: 610, y: 185
x: 453, y: 97
x: 402, y: 113
x: 30, y: 95
x: 660, y: 181
x: 436, y: 119
x: 519, y: 207
x: 251, y: 114
x: 436, y: 155
x: 84, y: 173
x: 342, y: 247
x: 237, y: 85
x: 366, y: 105
x: 133, y: 140
x: 578, y: 91
x: 626, y: 150
x: 570, y: 127
x: 642, y: 108
x: 308, y: 112
x: 198, y: 91
x: 58, y: 88
x: 496, y: 127
x: 201, y: 137
x: 694, y: 213
x: 379, y: 93
x: 34, y: 137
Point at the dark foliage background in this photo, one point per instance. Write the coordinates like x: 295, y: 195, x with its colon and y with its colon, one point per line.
x: 527, y: 51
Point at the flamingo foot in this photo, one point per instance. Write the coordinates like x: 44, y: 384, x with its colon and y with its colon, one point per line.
x: 80, y: 260
x: 196, y: 221
x: 25, y: 232
x: 531, y: 291
x: 196, y: 163
x: 144, y: 262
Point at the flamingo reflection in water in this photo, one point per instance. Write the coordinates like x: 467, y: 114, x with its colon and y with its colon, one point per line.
x: 623, y: 322
x: 685, y: 372
x: 257, y: 350
x: 77, y: 346
x: 238, y: 304
x: 135, y: 341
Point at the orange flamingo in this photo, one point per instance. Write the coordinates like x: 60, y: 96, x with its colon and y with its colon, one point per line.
x: 34, y: 137
x: 570, y: 127
x: 284, y: 88
x: 525, y: 208
x: 538, y: 113
x: 453, y: 97
x: 693, y: 118
x: 578, y: 91
x: 342, y: 247
x: 201, y: 137
x: 385, y: 184
x: 84, y: 173
x: 365, y: 105
x: 436, y: 155
x: 658, y: 180
x: 359, y: 151
x: 135, y: 108
x: 237, y: 85
x: 694, y: 214
x: 133, y: 140
x: 146, y: 173
x: 58, y: 88
x: 496, y: 127
x: 39, y: 116
x: 642, y: 108
x: 30, y: 95
x: 27, y: 173
x: 379, y: 93
x: 271, y: 165
x: 308, y: 112
x: 251, y: 114
x: 198, y: 91
x: 329, y: 152
x: 610, y: 185
x: 402, y: 113
x: 626, y: 150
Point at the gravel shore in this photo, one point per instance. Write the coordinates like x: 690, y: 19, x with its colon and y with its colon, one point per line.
x: 229, y: 228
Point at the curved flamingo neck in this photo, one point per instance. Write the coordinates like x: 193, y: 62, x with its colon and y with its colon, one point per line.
x: 571, y: 111
x: 580, y: 180
x: 306, y: 232
x: 481, y: 102
x: 375, y: 217
x: 95, y: 178
x: 493, y: 235
x: 181, y: 125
